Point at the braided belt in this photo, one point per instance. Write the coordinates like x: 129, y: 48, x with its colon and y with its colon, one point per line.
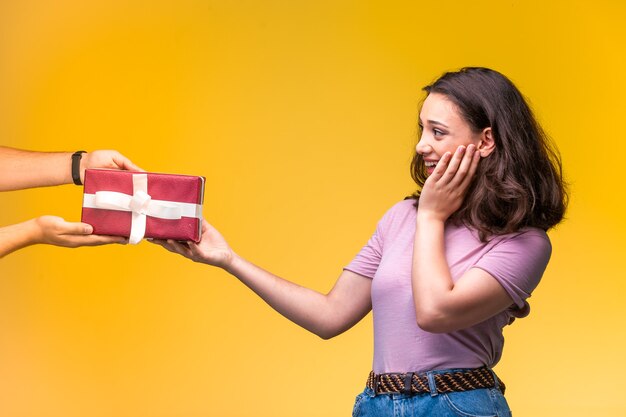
x: 411, y: 383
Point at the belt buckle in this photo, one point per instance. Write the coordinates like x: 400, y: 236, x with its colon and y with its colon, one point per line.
x: 408, y: 380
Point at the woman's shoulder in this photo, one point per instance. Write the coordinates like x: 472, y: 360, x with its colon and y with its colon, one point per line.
x: 531, y: 241
x: 404, y: 206
x: 401, y: 209
x: 398, y: 215
x: 527, y: 234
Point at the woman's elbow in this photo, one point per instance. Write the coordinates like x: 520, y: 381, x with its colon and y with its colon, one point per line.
x: 328, y: 333
x: 325, y: 335
x: 434, y: 322
x: 329, y: 330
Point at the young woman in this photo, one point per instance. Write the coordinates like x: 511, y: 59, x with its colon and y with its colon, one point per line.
x: 445, y: 270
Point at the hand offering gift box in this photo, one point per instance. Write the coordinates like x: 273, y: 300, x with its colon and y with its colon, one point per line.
x: 142, y: 204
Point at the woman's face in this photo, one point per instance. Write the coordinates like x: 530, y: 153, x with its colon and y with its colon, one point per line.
x: 443, y: 130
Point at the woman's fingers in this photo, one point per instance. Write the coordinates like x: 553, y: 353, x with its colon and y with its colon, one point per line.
x: 173, y: 246
x: 441, y: 167
x: 463, y: 174
x: 445, y: 188
x: 448, y: 166
x: 455, y: 163
x: 180, y: 248
x: 457, y: 169
x: 472, y: 163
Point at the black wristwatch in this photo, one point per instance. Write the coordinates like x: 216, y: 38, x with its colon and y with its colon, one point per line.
x: 76, y: 156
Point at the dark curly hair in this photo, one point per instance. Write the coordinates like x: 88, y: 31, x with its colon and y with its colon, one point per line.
x: 520, y: 184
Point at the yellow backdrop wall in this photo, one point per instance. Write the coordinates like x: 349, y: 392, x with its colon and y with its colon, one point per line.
x: 302, y: 116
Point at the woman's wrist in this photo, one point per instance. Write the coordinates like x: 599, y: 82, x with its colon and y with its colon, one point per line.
x: 426, y: 216
x: 231, y: 263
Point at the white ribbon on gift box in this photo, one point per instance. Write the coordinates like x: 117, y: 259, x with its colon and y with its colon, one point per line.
x: 141, y: 205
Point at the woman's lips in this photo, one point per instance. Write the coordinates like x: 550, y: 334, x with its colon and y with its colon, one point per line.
x: 430, y: 166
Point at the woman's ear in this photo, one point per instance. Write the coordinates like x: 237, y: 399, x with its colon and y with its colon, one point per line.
x: 486, y: 144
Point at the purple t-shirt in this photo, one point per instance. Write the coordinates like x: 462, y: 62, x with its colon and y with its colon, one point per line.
x: 516, y: 260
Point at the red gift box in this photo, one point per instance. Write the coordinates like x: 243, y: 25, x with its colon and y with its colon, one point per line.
x: 142, y: 204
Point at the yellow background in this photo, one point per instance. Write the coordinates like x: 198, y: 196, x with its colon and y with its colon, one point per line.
x: 302, y: 117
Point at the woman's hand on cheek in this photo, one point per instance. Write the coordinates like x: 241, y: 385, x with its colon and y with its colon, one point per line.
x: 445, y: 188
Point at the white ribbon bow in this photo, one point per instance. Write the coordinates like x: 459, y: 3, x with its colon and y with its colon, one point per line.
x: 141, y: 205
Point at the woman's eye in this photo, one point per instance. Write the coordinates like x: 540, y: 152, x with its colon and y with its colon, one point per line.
x: 438, y: 132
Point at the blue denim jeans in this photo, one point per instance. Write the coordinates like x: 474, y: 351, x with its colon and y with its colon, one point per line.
x: 474, y: 403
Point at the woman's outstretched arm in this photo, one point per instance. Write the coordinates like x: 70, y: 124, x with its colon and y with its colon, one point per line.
x: 325, y: 315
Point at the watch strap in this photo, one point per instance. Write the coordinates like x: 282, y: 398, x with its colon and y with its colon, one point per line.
x: 76, y: 156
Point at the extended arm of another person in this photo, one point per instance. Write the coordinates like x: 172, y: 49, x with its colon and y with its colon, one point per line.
x: 50, y: 230
x: 21, y: 169
x: 325, y: 315
x: 441, y: 305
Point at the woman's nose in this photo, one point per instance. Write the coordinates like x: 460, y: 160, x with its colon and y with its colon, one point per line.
x: 422, y: 146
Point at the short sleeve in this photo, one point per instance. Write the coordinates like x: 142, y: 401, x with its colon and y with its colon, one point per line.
x: 518, y: 263
x: 367, y: 260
